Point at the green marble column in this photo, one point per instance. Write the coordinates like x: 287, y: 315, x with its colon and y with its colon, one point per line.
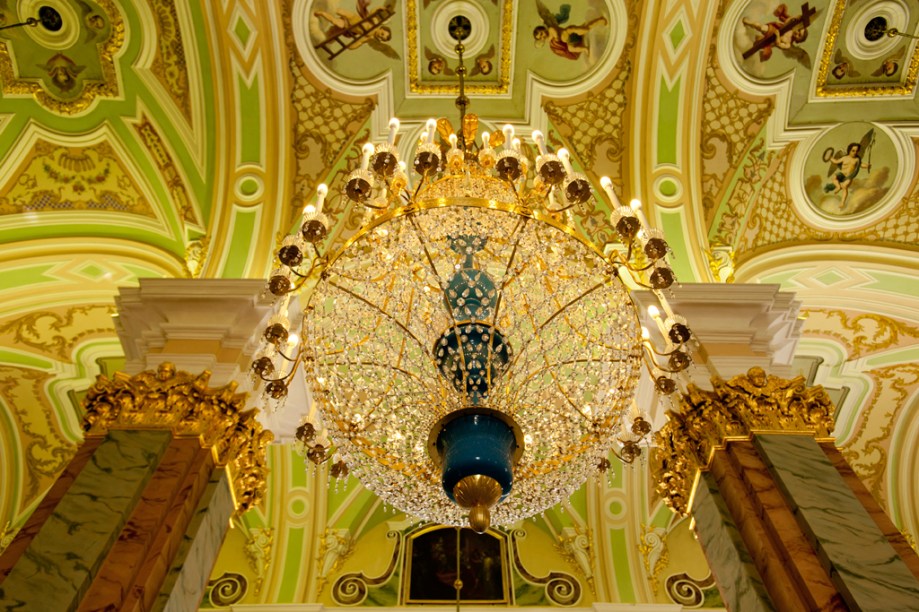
x: 859, y: 559
x: 136, y: 520
x: 773, y: 503
x: 62, y: 559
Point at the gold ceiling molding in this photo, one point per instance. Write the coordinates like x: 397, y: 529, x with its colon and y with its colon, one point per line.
x: 55, y: 177
x: 733, y: 118
x: 861, y: 333
x: 898, y: 228
x: 748, y: 403
x: 472, y: 87
x: 64, y: 72
x: 828, y: 59
x: 183, y: 404
x: 55, y: 332
x: 169, y: 65
x: 322, y: 123
x: 172, y: 178
x: 45, y: 452
x: 773, y: 220
x: 893, y: 385
x: 595, y: 121
x: 757, y: 164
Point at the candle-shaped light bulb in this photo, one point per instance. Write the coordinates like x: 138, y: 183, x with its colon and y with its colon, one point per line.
x: 452, y: 139
x: 645, y: 334
x: 321, y: 192
x: 485, y: 143
x: 515, y: 144
x: 607, y: 186
x: 635, y: 204
x: 566, y: 160
x: 365, y: 160
x: 508, y: 130
x: 393, y: 130
x: 431, y: 126
x: 634, y: 410
x: 656, y: 315
x: 540, y: 141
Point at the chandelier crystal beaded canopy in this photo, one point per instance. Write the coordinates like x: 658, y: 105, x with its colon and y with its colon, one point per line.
x: 473, y: 355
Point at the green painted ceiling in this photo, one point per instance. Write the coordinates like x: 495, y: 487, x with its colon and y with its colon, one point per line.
x: 161, y: 138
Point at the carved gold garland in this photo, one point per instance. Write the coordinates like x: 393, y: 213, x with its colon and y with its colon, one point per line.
x: 184, y: 404
x: 734, y: 409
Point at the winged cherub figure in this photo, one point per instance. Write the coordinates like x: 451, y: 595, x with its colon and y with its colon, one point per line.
x: 845, y: 166
x: 362, y: 26
x: 568, y: 41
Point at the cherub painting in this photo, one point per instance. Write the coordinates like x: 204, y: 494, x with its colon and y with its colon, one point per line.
x: 891, y: 64
x: 567, y: 40
x: 770, y: 29
x: 845, y: 166
x: 843, y: 180
x: 347, y: 29
x: 843, y: 66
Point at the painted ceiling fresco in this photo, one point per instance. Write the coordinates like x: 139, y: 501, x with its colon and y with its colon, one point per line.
x: 774, y: 142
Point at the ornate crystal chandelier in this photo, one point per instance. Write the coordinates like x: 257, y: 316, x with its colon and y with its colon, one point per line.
x: 473, y: 355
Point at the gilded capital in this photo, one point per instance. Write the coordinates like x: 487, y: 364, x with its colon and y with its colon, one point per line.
x: 749, y: 403
x: 184, y: 404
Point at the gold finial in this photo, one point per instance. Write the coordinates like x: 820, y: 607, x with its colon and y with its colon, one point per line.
x: 478, y: 493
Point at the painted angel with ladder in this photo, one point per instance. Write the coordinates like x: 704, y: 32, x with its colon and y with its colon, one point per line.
x: 353, y: 29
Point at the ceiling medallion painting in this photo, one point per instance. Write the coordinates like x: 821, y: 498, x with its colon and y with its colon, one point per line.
x: 864, y: 55
x: 771, y: 38
x: 67, y: 68
x: 360, y: 40
x: 431, y: 54
x: 352, y: 37
x: 849, y: 170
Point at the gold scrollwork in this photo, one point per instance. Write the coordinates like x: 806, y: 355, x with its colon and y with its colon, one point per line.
x: 687, y: 591
x: 746, y: 404
x: 259, y: 542
x: 562, y: 589
x: 903, y: 88
x: 863, y: 333
x: 106, y: 87
x: 230, y: 588
x: 183, y: 403
x: 351, y: 589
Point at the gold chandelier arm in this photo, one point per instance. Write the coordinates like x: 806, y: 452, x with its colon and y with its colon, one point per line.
x: 545, y: 358
x: 572, y: 302
x: 424, y: 245
x: 533, y: 374
x: 521, y: 223
x: 401, y: 325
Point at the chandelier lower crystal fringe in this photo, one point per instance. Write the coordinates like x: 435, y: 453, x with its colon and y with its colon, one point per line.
x: 473, y: 355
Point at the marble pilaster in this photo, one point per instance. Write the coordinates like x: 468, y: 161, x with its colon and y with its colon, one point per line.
x: 761, y: 447
x: 739, y: 581
x: 866, y: 569
x: 46, y: 506
x: 156, y: 520
x: 185, y: 583
x: 62, y: 559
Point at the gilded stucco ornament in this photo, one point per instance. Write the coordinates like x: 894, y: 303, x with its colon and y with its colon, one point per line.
x: 748, y: 403
x: 184, y: 404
